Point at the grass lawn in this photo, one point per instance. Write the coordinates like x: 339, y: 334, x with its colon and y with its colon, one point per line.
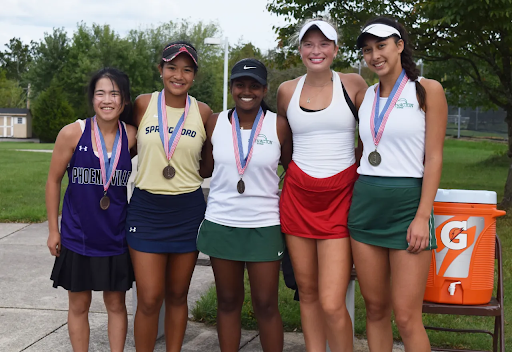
x: 452, y: 131
x: 25, y: 145
x: 467, y: 165
x: 22, y: 182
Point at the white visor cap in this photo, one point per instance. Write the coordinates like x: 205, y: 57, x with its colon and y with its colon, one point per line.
x: 379, y: 30
x: 325, y: 28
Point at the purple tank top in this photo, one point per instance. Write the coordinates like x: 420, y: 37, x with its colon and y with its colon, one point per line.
x: 86, y: 229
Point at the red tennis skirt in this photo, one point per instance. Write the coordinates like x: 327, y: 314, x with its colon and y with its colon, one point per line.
x: 316, y: 207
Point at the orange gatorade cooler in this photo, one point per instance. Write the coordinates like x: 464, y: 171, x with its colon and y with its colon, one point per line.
x: 462, y: 268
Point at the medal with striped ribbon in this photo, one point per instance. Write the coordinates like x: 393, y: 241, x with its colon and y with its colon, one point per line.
x: 171, y: 143
x: 378, y: 121
x: 107, y: 166
x: 241, y: 161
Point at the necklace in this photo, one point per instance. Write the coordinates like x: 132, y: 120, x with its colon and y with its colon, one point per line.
x: 320, y: 91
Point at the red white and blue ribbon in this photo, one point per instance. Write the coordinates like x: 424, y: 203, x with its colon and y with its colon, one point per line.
x: 378, y: 121
x: 107, y: 166
x: 241, y: 161
x: 170, y: 144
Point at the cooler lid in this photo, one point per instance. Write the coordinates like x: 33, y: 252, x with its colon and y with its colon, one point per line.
x: 466, y: 196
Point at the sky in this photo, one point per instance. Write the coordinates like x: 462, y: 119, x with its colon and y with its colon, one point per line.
x: 246, y: 20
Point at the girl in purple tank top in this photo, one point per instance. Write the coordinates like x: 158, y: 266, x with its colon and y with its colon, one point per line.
x: 90, y: 248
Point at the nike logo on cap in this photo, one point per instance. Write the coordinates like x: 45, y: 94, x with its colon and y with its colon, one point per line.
x: 280, y: 253
x: 248, y: 67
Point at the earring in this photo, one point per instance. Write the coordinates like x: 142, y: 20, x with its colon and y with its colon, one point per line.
x: 160, y: 76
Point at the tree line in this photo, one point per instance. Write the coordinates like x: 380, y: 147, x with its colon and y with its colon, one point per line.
x: 466, y: 45
x: 58, y: 67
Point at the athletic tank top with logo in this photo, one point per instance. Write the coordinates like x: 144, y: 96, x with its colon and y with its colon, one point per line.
x: 258, y: 206
x: 402, y: 146
x: 186, y: 157
x: 323, y: 141
x: 86, y: 229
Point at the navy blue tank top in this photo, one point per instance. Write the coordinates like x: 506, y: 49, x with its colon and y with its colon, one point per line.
x: 86, y: 229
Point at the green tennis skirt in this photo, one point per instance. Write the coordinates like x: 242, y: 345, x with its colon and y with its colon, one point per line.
x: 382, y: 210
x: 263, y: 244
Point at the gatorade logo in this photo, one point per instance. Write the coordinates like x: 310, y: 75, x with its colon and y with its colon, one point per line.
x: 453, y: 235
x: 457, y: 236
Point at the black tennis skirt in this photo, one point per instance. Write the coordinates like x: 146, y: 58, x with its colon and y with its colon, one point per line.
x: 75, y: 272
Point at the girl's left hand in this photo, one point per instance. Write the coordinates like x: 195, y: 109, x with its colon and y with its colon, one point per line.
x: 418, y: 235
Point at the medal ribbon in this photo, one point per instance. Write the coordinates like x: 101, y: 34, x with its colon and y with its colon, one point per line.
x: 241, y: 162
x: 170, y: 144
x: 108, y: 166
x: 378, y: 121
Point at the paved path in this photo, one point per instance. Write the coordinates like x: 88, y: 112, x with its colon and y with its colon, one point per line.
x: 33, y: 314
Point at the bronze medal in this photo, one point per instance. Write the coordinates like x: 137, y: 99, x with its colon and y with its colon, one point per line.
x: 169, y: 172
x: 240, y: 186
x: 374, y: 158
x: 104, y: 202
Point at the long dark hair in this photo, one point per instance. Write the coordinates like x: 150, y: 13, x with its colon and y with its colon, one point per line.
x: 123, y: 83
x: 406, y: 58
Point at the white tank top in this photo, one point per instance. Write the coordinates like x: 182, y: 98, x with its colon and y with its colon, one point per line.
x: 402, y: 146
x: 258, y: 206
x: 323, y: 141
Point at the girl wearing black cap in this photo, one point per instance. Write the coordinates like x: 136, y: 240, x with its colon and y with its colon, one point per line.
x: 241, y: 226
x: 318, y: 186
x: 402, y: 126
x: 167, y: 205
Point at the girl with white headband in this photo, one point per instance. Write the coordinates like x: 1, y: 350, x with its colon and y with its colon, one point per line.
x: 318, y: 186
x: 402, y: 126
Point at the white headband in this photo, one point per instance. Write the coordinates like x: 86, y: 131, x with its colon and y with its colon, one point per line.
x: 324, y: 27
x: 379, y: 30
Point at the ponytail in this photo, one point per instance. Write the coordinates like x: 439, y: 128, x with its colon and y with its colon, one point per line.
x: 411, y: 69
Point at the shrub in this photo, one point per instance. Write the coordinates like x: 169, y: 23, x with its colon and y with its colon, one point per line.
x: 51, y: 112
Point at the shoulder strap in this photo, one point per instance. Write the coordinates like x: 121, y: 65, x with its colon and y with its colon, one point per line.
x: 350, y: 103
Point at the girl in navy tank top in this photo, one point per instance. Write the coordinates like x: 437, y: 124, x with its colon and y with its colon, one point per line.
x: 90, y: 248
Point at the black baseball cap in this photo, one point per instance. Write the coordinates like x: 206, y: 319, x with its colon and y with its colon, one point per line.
x: 173, y: 50
x: 250, y: 68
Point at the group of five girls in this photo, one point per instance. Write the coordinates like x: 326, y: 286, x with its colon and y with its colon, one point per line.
x: 336, y: 208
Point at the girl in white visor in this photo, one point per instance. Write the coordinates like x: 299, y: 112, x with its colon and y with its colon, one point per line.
x: 318, y: 186
x: 402, y: 127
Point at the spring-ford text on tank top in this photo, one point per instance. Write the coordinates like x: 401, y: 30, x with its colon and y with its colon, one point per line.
x: 186, y: 157
x: 85, y: 228
x: 402, y: 146
x: 258, y: 206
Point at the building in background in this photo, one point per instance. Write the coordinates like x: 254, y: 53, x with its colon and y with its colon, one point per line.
x: 15, y: 123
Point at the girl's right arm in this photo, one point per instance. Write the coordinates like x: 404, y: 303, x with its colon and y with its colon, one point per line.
x: 68, y: 138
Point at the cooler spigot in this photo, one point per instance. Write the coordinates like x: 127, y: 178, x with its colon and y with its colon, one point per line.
x: 452, y: 286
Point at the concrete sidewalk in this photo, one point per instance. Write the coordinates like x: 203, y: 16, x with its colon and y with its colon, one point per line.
x: 33, y: 314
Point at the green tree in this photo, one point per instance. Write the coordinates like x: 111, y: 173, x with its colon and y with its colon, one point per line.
x: 49, y: 57
x: 11, y: 93
x: 467, y: 43
x: 16, y: 59
x: 51, y: 112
